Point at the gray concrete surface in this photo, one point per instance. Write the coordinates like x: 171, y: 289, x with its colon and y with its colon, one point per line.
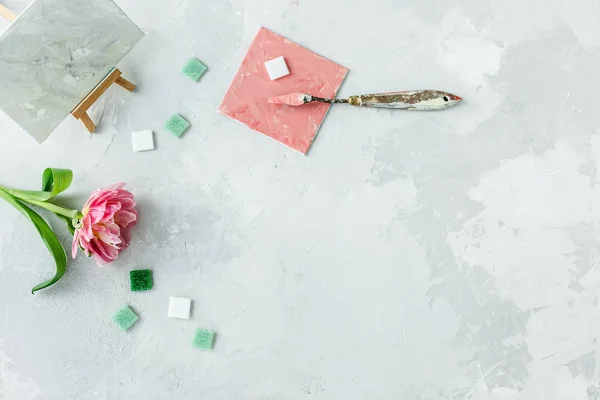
x: 409, y: 256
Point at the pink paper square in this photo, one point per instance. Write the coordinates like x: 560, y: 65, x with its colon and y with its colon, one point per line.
x: 246, y: 99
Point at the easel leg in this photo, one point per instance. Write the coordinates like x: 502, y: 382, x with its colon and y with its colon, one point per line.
x: 6, y: 13
x: 87, y: 121
x: 125, y: 83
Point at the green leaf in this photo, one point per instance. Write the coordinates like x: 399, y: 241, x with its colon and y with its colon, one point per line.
x: 48, y: 236
x: 54, y: 181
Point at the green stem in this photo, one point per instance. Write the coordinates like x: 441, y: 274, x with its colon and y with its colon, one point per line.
x: 30, y: 197
x: 56, y: 209
x: 4, y: 195
x: 27, y: 194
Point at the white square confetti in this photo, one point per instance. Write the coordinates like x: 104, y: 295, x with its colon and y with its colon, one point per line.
x: 179, y: 307
x: 142, y: 140
x: 277, y: 68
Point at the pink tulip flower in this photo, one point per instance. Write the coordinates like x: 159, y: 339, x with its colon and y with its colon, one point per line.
x: 104, y: 229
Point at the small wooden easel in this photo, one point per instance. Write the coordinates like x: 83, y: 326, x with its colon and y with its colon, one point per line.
x: 80, y: 112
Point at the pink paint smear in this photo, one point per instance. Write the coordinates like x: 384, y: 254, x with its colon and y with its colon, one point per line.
x: 292, y: 99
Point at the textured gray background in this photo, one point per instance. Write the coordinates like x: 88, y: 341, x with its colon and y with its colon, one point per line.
x: 409, y: 256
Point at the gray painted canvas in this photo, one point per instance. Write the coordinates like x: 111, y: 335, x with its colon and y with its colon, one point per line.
x: 54, y: 54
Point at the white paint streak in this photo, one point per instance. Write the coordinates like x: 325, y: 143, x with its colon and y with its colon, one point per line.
x: 14, y: 386
x: 473, y: 57
x: 522, y: 236
x: 466, y: 50
x: 531, y: 237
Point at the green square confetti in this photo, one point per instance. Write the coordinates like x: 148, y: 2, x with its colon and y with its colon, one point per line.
x: 177, y: 125
x: 141, y: 279
x: 125, y: 318
x: 194, y: 68
x: 203, y: 339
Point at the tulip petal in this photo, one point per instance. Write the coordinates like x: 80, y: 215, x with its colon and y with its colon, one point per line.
x: 124, y: 218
